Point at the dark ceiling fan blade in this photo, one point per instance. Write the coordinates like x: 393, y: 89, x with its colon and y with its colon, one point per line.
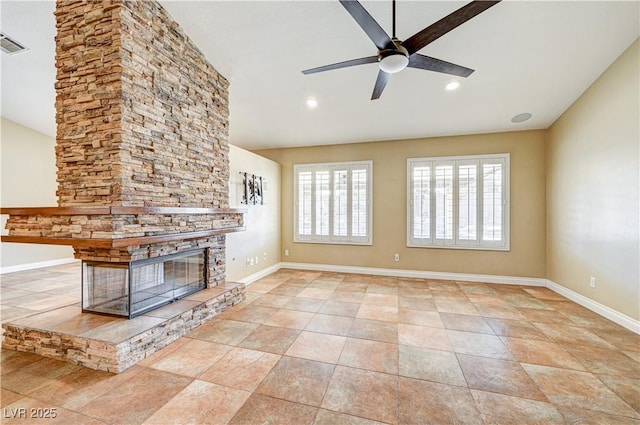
x: 432, y: 64
x: 352, y: 62
x: 446, y: 24
x: 381, y: 83
x: 375, y: 32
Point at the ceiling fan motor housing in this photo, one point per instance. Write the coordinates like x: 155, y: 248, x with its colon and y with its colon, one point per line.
x: 395, y: 59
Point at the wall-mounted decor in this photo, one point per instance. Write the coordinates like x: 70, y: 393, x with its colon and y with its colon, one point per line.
x: 254, y: 187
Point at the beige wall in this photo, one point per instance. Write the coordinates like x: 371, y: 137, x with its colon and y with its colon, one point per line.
x: 593, y: 212
x: 527, y: 255
x: 262, y: 236
x: 28, y: 180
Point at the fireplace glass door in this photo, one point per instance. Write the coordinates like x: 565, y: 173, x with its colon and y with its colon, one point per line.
x: 131, y: 289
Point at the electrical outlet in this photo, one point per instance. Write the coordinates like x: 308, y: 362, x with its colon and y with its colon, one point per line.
x: 286, y: 252
x: 249, y: 262
x: 264, y: 256
x: 255, y: 261
x: 592, y: 282
x: 396, y: 257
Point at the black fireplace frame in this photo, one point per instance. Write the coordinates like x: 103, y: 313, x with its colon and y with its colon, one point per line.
x: 129, y: 266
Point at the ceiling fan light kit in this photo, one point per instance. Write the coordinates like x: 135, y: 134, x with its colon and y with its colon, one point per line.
x: 395, y: 55
x: 393, y: 60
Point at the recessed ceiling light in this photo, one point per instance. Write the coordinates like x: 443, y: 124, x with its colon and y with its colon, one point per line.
x: 312, y: 103
x: 452, y: 85
x: 521, y: 117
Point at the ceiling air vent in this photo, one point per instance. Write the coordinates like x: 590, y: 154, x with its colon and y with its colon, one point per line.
x: 9, y: 45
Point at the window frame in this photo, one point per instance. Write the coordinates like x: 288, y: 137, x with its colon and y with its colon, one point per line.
x: 456, y: 243
x: 332, y: 167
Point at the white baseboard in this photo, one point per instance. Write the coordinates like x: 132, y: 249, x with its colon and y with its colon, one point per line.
x: 419, y: 274
x: 604, y: 311
x: 37, y: 265
x: 259, y: 275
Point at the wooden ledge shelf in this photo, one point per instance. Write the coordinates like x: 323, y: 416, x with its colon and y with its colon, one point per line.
x: 117, y: 210
x: 121, y: 242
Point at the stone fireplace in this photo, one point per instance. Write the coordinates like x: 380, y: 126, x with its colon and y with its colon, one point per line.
x: 142, y: 159
x: 141, y: 146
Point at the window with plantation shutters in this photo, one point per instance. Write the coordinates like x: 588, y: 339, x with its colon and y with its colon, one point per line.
x: 333, y: 202
x: 458, y: 202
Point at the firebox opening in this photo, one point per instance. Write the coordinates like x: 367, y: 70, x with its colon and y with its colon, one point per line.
x: 131, y: 289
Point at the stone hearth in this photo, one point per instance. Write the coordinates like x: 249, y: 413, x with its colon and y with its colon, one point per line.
x: 114, y: 344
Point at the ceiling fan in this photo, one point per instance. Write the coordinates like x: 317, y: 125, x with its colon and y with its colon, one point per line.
x: 394, y: 55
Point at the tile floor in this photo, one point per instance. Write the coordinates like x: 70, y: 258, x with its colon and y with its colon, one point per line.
x: 330, y: 348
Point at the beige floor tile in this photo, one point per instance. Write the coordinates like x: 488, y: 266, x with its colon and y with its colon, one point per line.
x: 526, y: 301
x: 411, y: 361
x: 136, y: 399
x: 465, y: 322
x: 499, y: 376
x: 375, y: 330
x: 192, y: 358
x: 347, y: 296
x: 340, y: 308
x: 317, y: 293
x: 544, y: 294
x: 541, y: 352
x: 8, y: 397
x: 224, y: 331
x: 626, y: 388
x: 272, y: 339
x: 378, y: 312
x: 589, y: 417
x: 328, y: 324
x: 582, y: 390
x: 501, y: 409
x: 417, y: 303
x: 316, y: 346
x: 572, y: 335
x: 35, y: 412
x: 200, y: 403
x: 430, y: 365
x: 261, y: 409
x: 289, y: 319
x: 619, y: 337
x: 515, y: 328
x: 499, y: 311
x: 79, y: 388
x: 256, y: 314
x: 431, y: 319
x: 458, y: 307
x: 479, y: 345
x: 11, y: 361
x: 241, y: 368
x: 379, y: 402
x: 476, y: 288
x: 273, y: 300
x: 297, y: 380
x: 327, y: 417
x: 423, y: 336
x: 370, y: 355
x: 380, y: 299
x: 311, y: 305
x: 31, y: 377
x: 430, y: 403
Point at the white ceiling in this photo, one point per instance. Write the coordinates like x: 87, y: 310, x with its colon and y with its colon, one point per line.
x: 535, y: 57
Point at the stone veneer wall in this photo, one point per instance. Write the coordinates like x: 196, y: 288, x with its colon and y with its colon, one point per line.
x: 142, y: 122
x: 142, y: 116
